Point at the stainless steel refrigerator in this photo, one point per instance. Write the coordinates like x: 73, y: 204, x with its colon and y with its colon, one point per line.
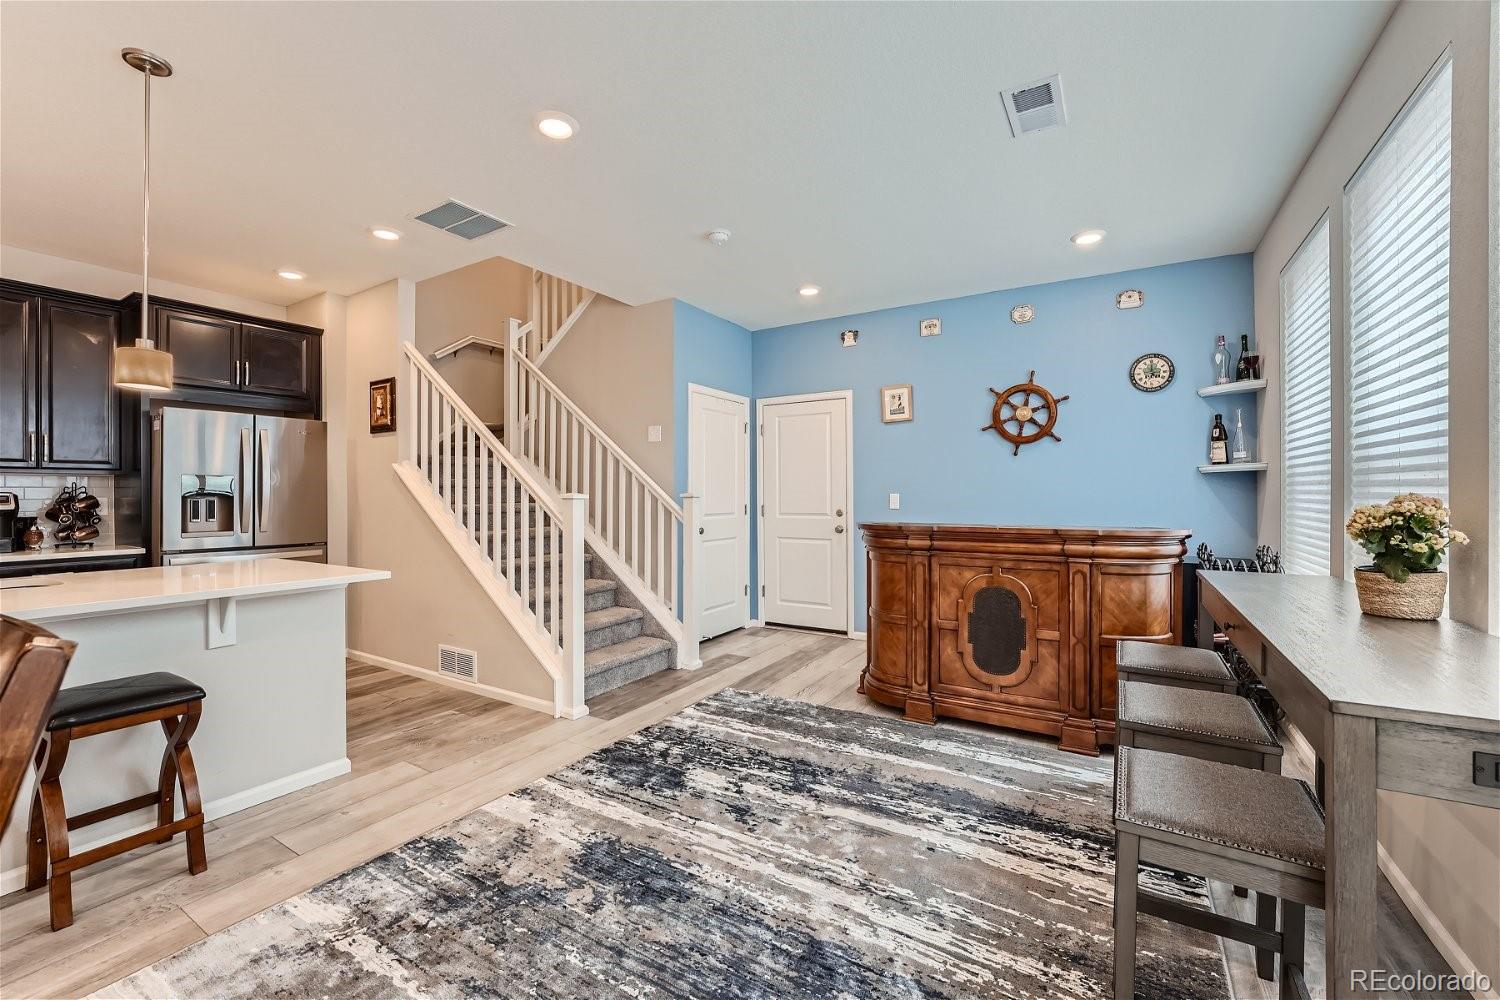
x: 238, y: 486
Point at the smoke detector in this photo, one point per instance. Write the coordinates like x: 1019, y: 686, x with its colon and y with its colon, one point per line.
x: 1035, y: 107
x: 718, y: 237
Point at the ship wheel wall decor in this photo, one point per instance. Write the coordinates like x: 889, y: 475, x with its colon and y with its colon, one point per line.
x: 1019, y: 419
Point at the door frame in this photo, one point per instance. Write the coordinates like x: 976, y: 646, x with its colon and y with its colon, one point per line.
x: 732, y: 397
x: 847, y: 395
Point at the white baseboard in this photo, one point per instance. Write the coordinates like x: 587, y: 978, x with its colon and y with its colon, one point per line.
x: 861, y: 636
x: 1449, y: 948
x: 756, y: 623
x: 543, y: 705
x: 214, y: 809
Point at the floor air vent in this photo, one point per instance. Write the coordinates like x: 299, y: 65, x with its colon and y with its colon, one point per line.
x: 455, y: 662
x: 1035, y: 107
x: 461, y: 220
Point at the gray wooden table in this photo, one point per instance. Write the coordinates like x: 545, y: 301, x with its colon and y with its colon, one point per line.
x: 1387, y: 704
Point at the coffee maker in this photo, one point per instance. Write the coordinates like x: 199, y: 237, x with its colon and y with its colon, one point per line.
x: 10, y: 506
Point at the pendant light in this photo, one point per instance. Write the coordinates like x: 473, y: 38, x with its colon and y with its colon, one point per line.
x: 143, y: 367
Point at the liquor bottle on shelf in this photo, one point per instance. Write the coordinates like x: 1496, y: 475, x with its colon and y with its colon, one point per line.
x: 1241, y: 450
x: 1218, y: 441
x: 1242, y: 370
x: 1221, y: 362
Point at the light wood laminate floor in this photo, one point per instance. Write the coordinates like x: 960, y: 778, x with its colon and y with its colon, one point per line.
x: 423, y: 754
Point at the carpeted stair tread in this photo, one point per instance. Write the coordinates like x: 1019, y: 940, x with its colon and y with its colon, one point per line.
x: 605, y: 617
x: 620, y: 653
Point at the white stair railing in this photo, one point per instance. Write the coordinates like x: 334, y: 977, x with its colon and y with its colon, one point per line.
x: 635, y: 526
x: 556, y: 304
x: 528, y: 543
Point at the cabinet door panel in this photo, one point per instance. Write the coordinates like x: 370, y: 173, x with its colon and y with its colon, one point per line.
x: 204, y: 349
x: 80, y: 406
x: 276, y: 361
x: 17, y: 381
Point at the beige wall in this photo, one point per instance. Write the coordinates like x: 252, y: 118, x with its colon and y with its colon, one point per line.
x: 329, y: 313
x: 1448, y: 854
x: 616, y: 364
x: 431, y: 597
x: 91, y: 279
x: 473, y: 301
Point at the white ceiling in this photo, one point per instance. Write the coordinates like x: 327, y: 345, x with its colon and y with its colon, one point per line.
x: 860, y: 147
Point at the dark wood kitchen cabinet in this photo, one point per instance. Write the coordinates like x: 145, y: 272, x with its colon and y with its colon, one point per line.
x: 60, y: 408
x: 242, y: 361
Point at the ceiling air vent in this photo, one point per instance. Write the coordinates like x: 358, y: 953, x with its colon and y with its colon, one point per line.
x: 455, y: 662
x: 461, y: 220
x: 1035, y: 107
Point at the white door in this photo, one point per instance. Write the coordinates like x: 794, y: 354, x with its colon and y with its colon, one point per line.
x: 804, y: 486
x: 719, y: 473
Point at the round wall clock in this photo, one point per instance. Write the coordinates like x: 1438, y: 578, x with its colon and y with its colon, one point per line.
x: 1152, y: 372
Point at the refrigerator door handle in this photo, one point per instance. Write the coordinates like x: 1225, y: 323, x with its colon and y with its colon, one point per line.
x: 263, y: 475
x: 242, y: 494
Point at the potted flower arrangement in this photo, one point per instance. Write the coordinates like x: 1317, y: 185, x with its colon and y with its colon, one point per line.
x: 1408, y: 537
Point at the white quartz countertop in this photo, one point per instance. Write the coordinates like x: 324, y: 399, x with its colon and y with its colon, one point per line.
x: 73, y: 595
x: 47, y: 555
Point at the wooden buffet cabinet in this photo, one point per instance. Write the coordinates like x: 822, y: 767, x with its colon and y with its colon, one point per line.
x: 1015, y: 626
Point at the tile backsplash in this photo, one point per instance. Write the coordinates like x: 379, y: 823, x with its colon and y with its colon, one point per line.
x: 36, y: 491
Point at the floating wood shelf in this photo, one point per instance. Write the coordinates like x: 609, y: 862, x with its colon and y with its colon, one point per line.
x: 1233, y: 388
x: 1233, y: 467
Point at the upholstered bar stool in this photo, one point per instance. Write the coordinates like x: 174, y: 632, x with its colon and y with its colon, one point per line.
x: 1219, y: 821
x: 89, y: 710
x: 1176, y: 666
x: 1209, y: 725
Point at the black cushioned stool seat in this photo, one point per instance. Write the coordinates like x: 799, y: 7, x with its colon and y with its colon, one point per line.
x: 1220, y: 821
x: 105, y: 700
x: 1178, y: 666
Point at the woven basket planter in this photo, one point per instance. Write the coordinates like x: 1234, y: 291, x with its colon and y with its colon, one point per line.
x: 1420, y: 598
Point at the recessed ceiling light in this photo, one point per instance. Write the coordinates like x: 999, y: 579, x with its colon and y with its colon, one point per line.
x: 289, y: 274
x: 556, y: 125
x: 808, y: 291
x: 1088, y: 238
x: 385, y: 233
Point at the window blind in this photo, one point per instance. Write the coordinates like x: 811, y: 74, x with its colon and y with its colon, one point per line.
x: 1307, y: 408
x: 1397, y: 206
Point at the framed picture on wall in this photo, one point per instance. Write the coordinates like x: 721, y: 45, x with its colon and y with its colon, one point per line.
x: 383, y: 406
x: 895, y: 403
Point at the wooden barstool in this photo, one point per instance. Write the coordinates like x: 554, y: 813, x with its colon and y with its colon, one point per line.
x: 1175, y: 666
x: 1209, y: 725
x: 89, y: 710
x: 1216, y: 821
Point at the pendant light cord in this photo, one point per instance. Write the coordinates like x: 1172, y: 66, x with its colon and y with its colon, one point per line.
x: 146, y: 220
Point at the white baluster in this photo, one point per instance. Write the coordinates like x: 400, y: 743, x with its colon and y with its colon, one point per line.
x: 571, y: 631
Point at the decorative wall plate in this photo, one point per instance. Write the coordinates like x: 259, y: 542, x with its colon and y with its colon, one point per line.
x: 1022, y: 314
x: 1130, y: 298
x: 1014, y: 407
x: 848, y: 338
x: 1152, y: 372
x: 931, y: 327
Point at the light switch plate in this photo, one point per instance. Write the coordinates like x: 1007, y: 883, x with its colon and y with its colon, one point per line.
x: 653, y: 433
x: 895, y: 501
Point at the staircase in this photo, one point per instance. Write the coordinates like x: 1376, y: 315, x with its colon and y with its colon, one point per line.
x: 582, y: 552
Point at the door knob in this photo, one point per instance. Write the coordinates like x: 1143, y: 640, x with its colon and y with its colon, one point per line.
x: 839, y: 512
x: 838, y: 529
x: 700, y: 531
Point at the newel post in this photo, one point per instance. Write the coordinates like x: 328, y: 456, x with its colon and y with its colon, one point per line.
x: 692, y: 550
x: 512, y: 427
x: 406, y: 406
x: 574, y: 513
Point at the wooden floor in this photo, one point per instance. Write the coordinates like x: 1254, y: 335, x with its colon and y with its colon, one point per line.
x: 423, y: 755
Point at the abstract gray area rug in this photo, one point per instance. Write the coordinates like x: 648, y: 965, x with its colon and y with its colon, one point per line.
x: 747, y: 847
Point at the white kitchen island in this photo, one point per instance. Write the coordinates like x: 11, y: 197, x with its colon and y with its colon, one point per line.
x: 265, y: 640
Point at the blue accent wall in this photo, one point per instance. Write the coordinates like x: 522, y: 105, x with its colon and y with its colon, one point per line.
x: 710, y: 351
x: 1127, y: 458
